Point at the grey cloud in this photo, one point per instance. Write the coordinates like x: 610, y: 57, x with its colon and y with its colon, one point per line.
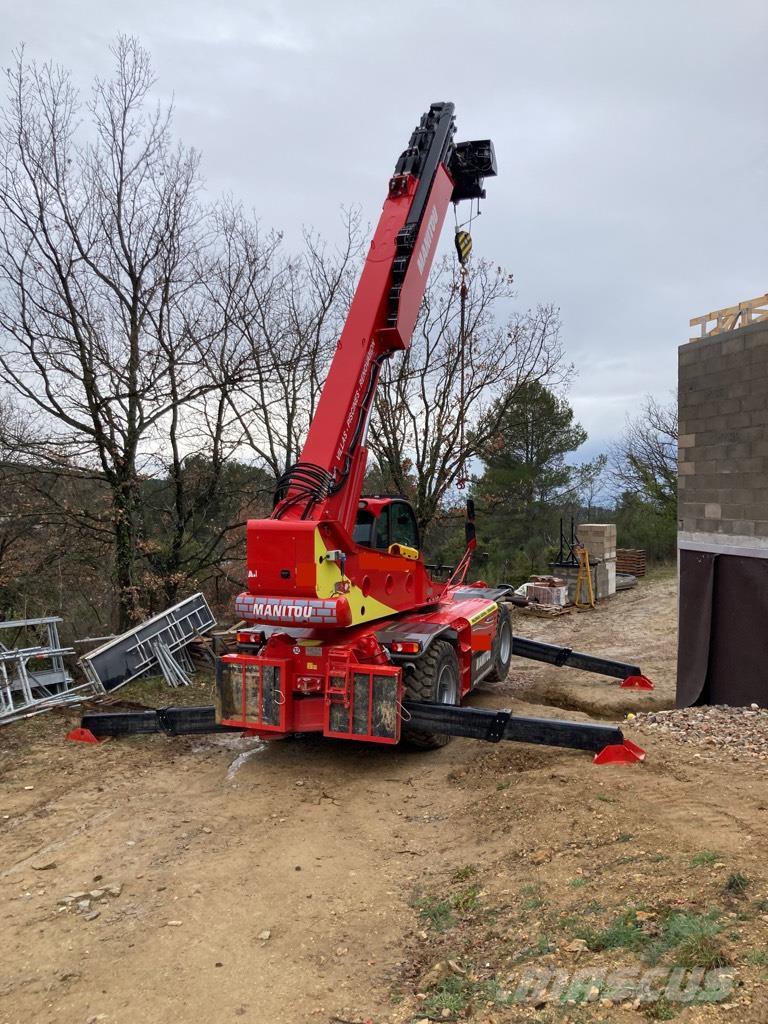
x: 631, y: 140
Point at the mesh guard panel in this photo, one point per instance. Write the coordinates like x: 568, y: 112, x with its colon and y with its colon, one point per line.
x: 250, y: 693
x: 362, y: 702
x: 385, y: 718
x: 229, y: 691
x: 338, y: 718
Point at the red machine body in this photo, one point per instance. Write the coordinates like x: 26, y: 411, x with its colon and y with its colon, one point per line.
x: 345, y: 632
x: 340, y: 608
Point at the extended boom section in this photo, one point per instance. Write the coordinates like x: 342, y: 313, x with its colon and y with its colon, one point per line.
x: 309, y: 563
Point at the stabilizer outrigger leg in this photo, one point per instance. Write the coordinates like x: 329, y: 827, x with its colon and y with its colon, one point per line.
x: 631, y: 676
x: 606, y: 741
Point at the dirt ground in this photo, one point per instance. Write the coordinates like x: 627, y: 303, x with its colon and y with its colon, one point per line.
x: 637, y: 626
x: 324, y: 881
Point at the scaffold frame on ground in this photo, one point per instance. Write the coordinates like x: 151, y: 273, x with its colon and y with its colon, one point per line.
x: 33, y: 674
x: 134, y: 654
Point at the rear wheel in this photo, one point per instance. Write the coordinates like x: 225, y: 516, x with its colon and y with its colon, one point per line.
x: 501, y: 650
x: 434, y: 677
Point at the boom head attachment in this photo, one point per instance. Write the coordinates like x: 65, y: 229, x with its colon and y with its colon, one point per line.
x: 432, y: 143
x: 469, y: 164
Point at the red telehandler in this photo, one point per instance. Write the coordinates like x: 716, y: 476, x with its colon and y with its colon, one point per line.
x: 347, y: 634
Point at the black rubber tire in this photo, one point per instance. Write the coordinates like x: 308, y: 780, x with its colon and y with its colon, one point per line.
x: 501, y: 651
x: 421, y: 682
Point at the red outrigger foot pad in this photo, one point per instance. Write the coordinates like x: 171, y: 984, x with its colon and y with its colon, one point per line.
x: 620, y: 753
x: 636, y: 683
x: 80, y: 735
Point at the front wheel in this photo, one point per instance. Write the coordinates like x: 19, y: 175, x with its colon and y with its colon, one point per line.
x: 501, y: 649
x: 434, y: 677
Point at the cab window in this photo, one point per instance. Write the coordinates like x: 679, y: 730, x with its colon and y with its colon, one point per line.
x: 382, y: 530
x: 404, y: 530
x: 396, y: 524
x: 363, y: 528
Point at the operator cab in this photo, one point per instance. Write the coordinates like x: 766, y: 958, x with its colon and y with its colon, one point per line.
x: 382, y: 522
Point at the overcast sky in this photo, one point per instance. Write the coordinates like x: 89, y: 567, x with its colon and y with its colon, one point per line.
x: 631, y: 140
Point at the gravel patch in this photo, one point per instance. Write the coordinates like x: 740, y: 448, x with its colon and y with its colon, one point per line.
x: 741, y: 732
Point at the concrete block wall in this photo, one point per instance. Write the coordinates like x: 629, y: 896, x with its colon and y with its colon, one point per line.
x: 723, y: 518
x: 723, y: 443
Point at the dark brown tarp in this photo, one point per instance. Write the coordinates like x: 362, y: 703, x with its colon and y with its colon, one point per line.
x: 722, y: 655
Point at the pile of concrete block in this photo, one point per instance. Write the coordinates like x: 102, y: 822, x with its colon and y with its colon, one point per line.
x: 600, y: 541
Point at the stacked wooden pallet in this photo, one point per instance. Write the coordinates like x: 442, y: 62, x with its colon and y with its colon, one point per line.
x: 630, y: 560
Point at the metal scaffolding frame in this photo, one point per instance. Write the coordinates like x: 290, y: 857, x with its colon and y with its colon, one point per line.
x: 135, y: 653
x: 25, y: 689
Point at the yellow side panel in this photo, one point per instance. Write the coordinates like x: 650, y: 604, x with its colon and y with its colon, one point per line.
x: 329, y: 574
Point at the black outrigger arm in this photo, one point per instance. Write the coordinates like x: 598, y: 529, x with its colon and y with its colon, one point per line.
x: 606, y: 741
x: 560, y: 657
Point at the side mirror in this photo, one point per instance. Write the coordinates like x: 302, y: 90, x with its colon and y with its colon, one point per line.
x: 469, y: 526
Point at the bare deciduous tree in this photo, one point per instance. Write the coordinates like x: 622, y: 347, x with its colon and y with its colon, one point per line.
x: 97, y: 244
x: 644, y: 459
x: 171, y: 355
x: 51, y: 548
x: 289, y: 311
x: 429, y: 424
